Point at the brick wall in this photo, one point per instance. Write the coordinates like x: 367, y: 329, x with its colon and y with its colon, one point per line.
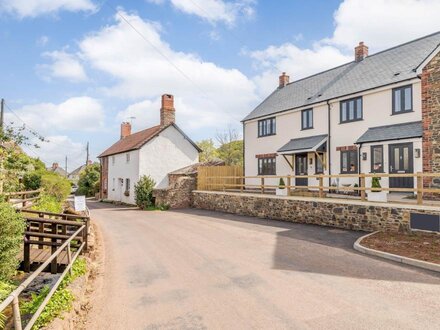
x: 341, y: 214
x: 431, y: 120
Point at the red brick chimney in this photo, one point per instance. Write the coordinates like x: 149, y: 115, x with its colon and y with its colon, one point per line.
x: 54, y: 166
x: 284, y: 80
x: 360, y: 52
x: 125, y: 130
x: 167, y: 111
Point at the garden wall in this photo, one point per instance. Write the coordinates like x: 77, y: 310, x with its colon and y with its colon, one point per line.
x: 346, y: 214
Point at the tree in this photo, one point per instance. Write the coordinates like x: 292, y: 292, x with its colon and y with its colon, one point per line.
x: 209, y: 151
x: 143, y: 192
x: 88, y: 183
x: 231, y: 147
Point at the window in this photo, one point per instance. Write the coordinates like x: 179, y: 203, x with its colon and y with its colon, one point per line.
x: 267, y: 166
x: 127, y: 184
x: 113, y: 186
x: 307, y: 119
x: 402, y: 99
x: 377, y: 159
x: 113, y: 160
x: 319, y: 168
x: 267, y: 127
x: 351, y: 110
x: 127, y: 156
x: 349, y: 161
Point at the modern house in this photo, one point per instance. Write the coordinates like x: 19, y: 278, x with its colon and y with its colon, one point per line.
x: 379, y: 113
x: 75, y: 174
x: 155, y: 151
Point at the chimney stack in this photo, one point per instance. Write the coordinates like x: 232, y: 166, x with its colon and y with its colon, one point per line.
x: 54, y: 166
x: 360, y: 52
x: 167, y: 111
x: 125, y: 130
x: 284, y: 80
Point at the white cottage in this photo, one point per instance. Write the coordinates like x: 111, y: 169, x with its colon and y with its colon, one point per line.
x: 155, y: 151
x: 378, y: 113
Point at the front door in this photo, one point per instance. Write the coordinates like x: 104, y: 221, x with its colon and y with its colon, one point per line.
x: 301, y: 169
x: 401, y: 161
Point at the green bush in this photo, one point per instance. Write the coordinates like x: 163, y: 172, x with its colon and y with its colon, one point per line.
x: 56, y: 186
x: 375, y: 184
x: 48, y: 203
x: 32, y: 181
x: 88, y: 184
x: 12, y: 227
x: 143, y: 191
x: 281, y: 184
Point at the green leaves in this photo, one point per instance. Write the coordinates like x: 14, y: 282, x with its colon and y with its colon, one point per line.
x: 143, y: 191
x: 88, y: 184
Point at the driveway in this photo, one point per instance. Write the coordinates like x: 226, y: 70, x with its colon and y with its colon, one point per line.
x: 195, y: 269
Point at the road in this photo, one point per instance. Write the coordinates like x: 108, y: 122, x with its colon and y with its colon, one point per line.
x: 195, y: 269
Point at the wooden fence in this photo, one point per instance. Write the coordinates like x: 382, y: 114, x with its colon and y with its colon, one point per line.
x: 213, y: 180
x: 22, y: 199
x: 212, y: 177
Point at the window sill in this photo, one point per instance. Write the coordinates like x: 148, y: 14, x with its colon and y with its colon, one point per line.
x: 263, y: 136
x: 350, y: 121
x: 307, y: 128
x: 401, y: 112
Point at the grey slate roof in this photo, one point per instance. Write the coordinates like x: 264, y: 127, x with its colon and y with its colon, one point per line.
x: 392, y: 132
x: 305, y: 143
x: 374, y: 71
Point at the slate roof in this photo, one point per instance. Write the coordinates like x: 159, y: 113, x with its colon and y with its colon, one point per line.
x: 306, y: 143
x: 137, y: 140
x: 387, y: 67
x: 392, y: 132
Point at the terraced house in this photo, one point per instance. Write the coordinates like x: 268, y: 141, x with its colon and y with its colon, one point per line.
x: 379, y: 113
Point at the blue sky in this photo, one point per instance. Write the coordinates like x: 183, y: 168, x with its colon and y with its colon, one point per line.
x: 74, y: 69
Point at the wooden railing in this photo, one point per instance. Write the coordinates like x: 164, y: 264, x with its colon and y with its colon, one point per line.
x: 219, y: 183
x: 22, y: 199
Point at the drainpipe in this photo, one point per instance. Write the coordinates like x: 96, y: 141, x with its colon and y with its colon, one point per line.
x: 359, y: 164
x: 329, y: 166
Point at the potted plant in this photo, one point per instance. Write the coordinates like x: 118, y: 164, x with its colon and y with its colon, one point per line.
x: 376, y: 194
x: 127, y: 193
x: 281, y: 190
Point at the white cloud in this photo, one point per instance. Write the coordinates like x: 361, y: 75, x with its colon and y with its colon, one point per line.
x: 33, y: 8
x: 144, y: 70
x: 75, y: 114
x: 64, y: 65
x: 384, y: 23
x: 214, y: 11
x: 42, y: 41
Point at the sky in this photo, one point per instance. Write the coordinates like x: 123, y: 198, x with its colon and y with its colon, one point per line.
x: 73, y: 70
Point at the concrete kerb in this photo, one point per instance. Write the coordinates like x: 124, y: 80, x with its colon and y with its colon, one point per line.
x: 394, y: 257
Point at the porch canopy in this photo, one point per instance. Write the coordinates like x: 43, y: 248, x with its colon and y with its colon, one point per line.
x: 392, y: 132
x: 315, y: 143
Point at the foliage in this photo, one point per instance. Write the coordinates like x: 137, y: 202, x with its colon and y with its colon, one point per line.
x: 375, y: 183
x: 48, y: 203
x: 61, y: 300
x: 55, y: 185
x: 88, y: 184
x: 32, y: 181
x: 143, y: 191
x: 209, y: 151
x: 281, y: 184
x: 231, y: 147
x: 12, y: 227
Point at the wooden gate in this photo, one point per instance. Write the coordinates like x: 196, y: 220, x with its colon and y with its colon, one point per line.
x: 219, y: 177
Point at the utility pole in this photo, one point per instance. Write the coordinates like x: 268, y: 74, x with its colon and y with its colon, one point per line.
x: 66, y: 168
x: 1, y: 114
x: 87, y: 159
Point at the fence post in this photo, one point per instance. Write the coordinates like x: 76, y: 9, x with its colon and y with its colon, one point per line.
x: 262, y: 185
x: 289, y: 183
x: 17, y: 316
x: 321, y: 186
x: 53, y: 264
x: 242, y: 184
x: 419, y: 188
x: 362, y: 187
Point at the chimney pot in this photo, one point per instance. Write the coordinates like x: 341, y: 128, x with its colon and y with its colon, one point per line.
x: 125, y: 130
x: 54, y: 166
x: 167, y: 111
x: 360, y: 52
x: 284, y: 80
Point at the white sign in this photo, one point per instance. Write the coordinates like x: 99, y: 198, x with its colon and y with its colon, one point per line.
x: 80, y: 203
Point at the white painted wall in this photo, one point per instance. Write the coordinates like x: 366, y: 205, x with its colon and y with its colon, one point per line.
x: 166, y: 153
x: 377, y: 111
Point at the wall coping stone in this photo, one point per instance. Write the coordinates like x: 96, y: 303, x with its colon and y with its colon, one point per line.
x: 326, y: 200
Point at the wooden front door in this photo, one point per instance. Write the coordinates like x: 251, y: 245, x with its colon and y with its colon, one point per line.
x: 401, y: 161
x: 301, y: 169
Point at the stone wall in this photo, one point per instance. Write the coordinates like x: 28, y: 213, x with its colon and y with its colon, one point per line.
x: 354, y: 215
x: 178, y: 193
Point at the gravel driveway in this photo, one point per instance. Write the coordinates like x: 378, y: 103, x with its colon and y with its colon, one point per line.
x: 195, y: 269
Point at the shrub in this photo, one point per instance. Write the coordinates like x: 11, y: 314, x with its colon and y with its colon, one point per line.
x: 48, y: 203
x: 88, y: 184
x: 32, y: 181
x: 143, y: 191
x: 55, y: 185
x: 375, y: 183
x: 12, y: 227
x: 281, y: 184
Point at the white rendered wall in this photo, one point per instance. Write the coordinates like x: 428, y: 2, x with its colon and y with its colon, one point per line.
x: 121, y: 169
